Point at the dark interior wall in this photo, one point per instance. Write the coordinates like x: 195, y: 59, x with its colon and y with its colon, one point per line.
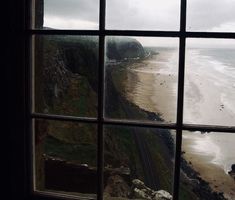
x: 14, y: 129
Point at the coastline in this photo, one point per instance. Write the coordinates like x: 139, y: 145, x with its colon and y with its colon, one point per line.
x: 132, y: 91
x: 218, y: 180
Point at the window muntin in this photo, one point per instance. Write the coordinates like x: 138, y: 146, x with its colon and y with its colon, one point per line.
x: 179, y: 126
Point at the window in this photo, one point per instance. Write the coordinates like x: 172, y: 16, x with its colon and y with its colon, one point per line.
x: 82, y: 125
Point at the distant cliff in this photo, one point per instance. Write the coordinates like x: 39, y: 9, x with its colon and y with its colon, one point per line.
x: 121, y: 48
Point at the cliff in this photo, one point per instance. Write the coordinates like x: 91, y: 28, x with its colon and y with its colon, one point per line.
x: 66, y: 83
x: 66, y: 69
x: 124, y: 48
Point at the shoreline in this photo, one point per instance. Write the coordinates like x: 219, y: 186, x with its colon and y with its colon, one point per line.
x: 215, y: 175
x: 209, y: 186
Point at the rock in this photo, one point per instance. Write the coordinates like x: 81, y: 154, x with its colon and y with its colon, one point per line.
x: 117, y: 187
x: 140, y: 185
x: 144, y: 192
x: 162, y: 195
x: 232, y: 172
x: 141, y: 194
x: 233, y: 167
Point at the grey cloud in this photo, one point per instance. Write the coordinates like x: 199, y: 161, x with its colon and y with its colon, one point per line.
x: 205, y: 15
x: 129, y: 14
x: 73, y: 9
x: 146, y: 14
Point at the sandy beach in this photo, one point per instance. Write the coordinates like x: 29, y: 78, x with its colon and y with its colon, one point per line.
x: 152, y: 85
x: 153, y: 81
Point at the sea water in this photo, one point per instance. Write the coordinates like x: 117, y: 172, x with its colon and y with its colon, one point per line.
x: 212, y: 72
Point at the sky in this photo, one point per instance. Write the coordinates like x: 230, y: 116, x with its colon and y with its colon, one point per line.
x: 202, y: 15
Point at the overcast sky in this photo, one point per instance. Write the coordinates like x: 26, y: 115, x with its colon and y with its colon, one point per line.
x: 202, y: 15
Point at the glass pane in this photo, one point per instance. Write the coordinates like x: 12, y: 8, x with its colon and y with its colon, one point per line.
x: 65, y: 14
x: 138, y: 162
x: 143, y: 15
x: 208, y: 166
x: 141, y: 78
x: 210, y: 82
x: 211, y: 15
x: 65, y: 75
x: 65, y: 157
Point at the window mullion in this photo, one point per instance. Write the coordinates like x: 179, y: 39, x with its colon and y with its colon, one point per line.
x: 180, y: 103
x: 100, y: 157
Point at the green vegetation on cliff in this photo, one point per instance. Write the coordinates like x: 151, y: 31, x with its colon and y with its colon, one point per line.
x: 66, y: 81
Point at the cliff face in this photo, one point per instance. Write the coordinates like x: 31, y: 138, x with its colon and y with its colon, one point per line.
x: 81, y: 56
x: 66, y: 83
x: 121, y: 48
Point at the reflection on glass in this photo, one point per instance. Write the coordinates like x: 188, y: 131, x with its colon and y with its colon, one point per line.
x: 215, y: 16
x: 65, y: 157
x: 210, y: 82
x: 65, y: 75
x: 208, y: 166
x: 65, y: 14
x: 138, y: 162
x: 141, y: 78
x: 143, y: 15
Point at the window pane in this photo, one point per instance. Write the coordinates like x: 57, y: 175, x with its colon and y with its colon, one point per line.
x: 65, y: 75
x: 141, y: 78
x: 211, y: 15
x: 138, y: 162
x: 143, y: 15
x: 207, y: 162
x: 210, y: 82
x: 65, y: 14
x: 65, y: 157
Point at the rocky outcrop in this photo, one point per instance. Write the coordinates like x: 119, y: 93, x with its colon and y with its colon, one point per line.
x: 201, y: 188
x: 124, y: 48
x: 117, y: 187
x: 232, y: 172
x: 144, y: 192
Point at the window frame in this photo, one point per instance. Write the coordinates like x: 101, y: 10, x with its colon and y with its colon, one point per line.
x: 22, y: 68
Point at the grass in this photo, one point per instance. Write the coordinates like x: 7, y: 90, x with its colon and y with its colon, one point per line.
x: 84, y: 153
x: 124, y: 152
x: 79, y: 100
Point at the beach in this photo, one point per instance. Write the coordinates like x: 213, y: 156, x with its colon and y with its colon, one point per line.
x: 153, y: 81
x: 209, y: 95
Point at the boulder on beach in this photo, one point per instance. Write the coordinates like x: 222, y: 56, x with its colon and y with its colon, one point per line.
x: 232, y: 172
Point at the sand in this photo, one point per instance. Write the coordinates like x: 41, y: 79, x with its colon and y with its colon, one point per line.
x: 150, y: 83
